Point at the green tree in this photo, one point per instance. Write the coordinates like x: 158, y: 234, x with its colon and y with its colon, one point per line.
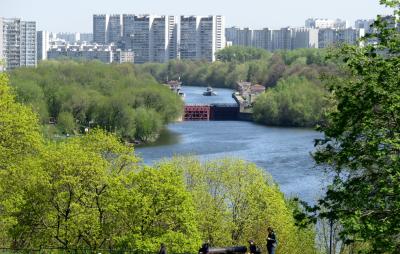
x: 66, y: 123
x: 293, y: 102
x: 236, y: 201
x: 362, y: 140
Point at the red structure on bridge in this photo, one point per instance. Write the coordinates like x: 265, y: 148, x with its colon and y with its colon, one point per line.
x: 197, y: 113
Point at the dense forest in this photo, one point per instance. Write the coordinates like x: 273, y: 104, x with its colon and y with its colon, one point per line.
x: 77, y: 95
x: 90, y: 193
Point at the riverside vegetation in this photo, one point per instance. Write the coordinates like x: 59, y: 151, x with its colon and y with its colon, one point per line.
x: 90, y: 192
x: 128, y: 99
x: 117, y: 98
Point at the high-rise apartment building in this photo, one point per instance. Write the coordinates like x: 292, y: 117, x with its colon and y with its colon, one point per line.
x: 326, y: 23
x: 163, y: 39
x: 189, y: 36
x: 43, y: 45
x: 141, y: 38
x: 201, y: 37
x: 114, y: 28
x: 349, y: 35
x: 364, y: 24
x: 245, y: 37
x: 19, y: 43
x: 100, y: 23
x: 304, y: 38
x: 328, y: 37
x: 282, y: 39
x: 87, y: 37
x: 262, y: 39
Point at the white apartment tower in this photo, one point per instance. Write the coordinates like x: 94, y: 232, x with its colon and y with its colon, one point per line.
x: 189, y: 36
x: 19, y: 43
x: 163, y: 39
x: 201, y: 37
x: 43, y: 45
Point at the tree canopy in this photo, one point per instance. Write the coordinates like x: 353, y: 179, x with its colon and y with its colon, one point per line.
x: 362, y: 140
x: 81, y: 95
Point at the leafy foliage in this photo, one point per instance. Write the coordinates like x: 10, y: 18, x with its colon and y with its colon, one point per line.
x: 362, y: 141
x: 90, y: 94
x: 293, y: 102
x: 236, y: 201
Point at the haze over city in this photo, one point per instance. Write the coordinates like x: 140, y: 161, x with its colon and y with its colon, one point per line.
x: 76, y: 16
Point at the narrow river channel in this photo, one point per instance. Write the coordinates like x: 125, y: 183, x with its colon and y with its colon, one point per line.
x: 283, y: 152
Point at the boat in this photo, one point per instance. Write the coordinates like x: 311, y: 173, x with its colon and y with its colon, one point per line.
x: 209, y: 92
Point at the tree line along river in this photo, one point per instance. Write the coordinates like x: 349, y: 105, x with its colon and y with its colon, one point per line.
x: 285, y: 153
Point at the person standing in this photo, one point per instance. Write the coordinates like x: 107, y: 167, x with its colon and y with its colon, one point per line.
x: 272, y: 242
x: 163, y: 249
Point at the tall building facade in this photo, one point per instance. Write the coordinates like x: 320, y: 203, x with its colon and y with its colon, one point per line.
x: 364, y: 24
x: 326, y: 23
x: 100, y: 22
x: 328, y: 37
x: 19, y: 43
x: 163, y: 39
x: 304, y: 38
x: 43, y: 45
x: 282, y: 39
x: 189, y: 36
x: 114, y: 29
x: 201, y: 37
x: 262, y: 39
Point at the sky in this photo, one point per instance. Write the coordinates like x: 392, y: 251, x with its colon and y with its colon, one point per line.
x: 76, y: 15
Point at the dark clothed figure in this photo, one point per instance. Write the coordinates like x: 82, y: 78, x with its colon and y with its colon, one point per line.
x: 163, y: 249
x: 253, y: 248
x: 204, y: 248
x: 271, y: 241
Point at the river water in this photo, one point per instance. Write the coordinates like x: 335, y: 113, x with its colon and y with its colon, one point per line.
x: 283, y: 152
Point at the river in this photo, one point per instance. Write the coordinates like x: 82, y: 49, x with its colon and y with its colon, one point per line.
x: 283, y: 152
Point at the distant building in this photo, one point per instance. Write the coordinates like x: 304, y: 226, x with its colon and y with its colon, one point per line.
x: 262, y: 39
x: 326, y: 23
x: 100, y: 23
x: 43, y: 45
x: 304, y: 38
x: 68, y: 37
x: 364, y: 24
x: 201, y: 37
x: 163, y: 39
x: 282, y: 39
x: 86, y: 37
x: 114, y: 29
x: 18, y: 43
x: 328, y: 37
x: 350, y: 35
x: 245, y: 37
x: 105, y: 54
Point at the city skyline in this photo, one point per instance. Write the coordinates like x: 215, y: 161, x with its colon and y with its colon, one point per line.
x: 50, y: 18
